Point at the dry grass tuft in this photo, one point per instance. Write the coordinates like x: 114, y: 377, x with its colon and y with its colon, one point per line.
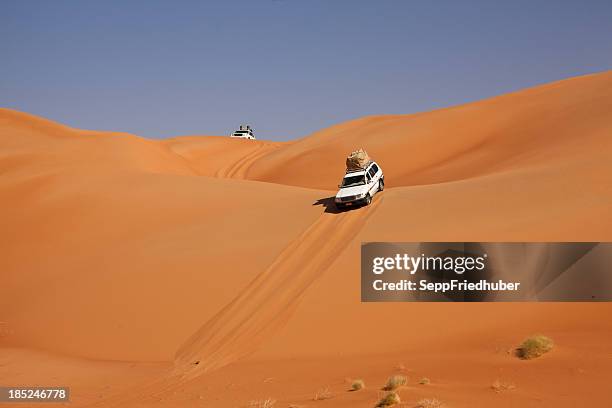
x: 429, y: 403
x: 424, y: 381
x: 534, y: 347
x: 499, y: 386
x: 357, y: 385
x: 394, y: 382
x: 388, y: 400
x: 267, y: 403
x: 323, y: 394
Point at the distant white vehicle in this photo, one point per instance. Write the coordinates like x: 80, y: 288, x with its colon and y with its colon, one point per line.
x: 245, y: 132
x: 359, y: 186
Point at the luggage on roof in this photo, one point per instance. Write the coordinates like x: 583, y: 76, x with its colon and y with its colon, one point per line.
x: 357, y: 160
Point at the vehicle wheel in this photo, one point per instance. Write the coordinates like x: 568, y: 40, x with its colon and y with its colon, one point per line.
x: 368, y: 199
x: 381, y: 185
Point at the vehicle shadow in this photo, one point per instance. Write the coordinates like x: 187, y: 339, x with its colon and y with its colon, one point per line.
x: 330, y: 206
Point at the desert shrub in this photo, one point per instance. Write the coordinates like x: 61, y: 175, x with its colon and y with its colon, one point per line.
x: 424, y: 381
x: 534, y: 347
x: 429, y: 403
x: 357, y: 385
x: 388, y: 400
x: 499, y: 386
x: 323, y: 394
x: 267, y: 403
x: 394, y: 382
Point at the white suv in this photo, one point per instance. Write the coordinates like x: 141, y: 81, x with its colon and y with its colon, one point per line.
x: 359, y: 186
x: 245, y: 132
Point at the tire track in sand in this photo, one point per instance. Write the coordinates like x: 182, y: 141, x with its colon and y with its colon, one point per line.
x: 266, y: 304
x: 240, y: 168
x: 259, y: 310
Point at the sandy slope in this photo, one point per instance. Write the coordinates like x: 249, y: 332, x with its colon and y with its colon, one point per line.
x: 103, y: 248
x: 220, y: 156
x: 543, y: 126
x: 121, y: 248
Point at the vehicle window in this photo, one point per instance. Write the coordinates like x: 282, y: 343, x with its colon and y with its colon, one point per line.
x: 372, y: 172
x: 375, y: 168
x: 368, y: 178
x: 353, y: 181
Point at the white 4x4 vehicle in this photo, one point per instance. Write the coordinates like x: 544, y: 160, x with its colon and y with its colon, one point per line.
x: 245, y: 132
x: 359, y: 186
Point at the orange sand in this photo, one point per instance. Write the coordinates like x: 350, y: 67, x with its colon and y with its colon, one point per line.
x: 126, y: 260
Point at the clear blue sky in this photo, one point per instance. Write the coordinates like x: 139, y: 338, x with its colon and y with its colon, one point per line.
x: 287, y: 67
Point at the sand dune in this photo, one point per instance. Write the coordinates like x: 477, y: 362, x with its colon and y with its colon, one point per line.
x: 117, y: 247
x: 268, y: 302
x: 539, y: 127
x: 131, y: 241
x: 220, y: 156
